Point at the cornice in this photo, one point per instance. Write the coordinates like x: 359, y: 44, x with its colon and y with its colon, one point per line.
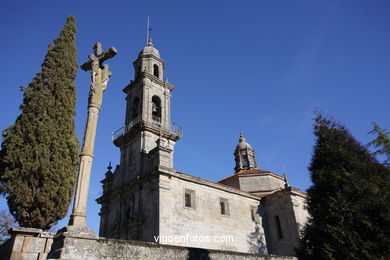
x: 212, y: 184
x: 152, y: 78
x: 170, y: 172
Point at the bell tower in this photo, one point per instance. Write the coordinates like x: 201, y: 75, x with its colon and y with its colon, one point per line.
x: 147, y: 140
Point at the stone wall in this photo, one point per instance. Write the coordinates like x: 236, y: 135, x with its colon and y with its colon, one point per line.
x: 119, y: 249
x: 299, y: 206
x: 203, y: 218
x: 284, y: 216
x: 28, y: 244
x: 260, y: 182
x: 131, y: 212
x: 33, y: 244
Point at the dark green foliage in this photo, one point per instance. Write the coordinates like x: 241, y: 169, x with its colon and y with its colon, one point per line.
x: 39, y: 152
x: 349, y: 201
x: 381, y: 143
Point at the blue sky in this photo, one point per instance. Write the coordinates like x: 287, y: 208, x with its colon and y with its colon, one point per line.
x: 257, y: 67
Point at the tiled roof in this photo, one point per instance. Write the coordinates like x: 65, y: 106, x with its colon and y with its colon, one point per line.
x: 248, y: 172
x: 252, y: 171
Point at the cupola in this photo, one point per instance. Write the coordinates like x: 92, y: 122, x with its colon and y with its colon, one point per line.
x: 244, y: 156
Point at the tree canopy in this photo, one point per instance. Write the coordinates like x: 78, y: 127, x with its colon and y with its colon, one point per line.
x: 349, y: 201
x: 39, y: 152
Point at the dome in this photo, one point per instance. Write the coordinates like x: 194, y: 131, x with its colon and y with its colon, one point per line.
x: 149, y: 49
x: 243, y: 144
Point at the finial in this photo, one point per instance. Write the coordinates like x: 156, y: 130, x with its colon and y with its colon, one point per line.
x: 109, y: 167
x: 150, y: 41
x: 149, y: 34
x: 242, y: 138
x: 286, y: 185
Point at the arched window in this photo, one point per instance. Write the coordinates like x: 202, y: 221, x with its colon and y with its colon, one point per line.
x: 156, y: 71
x: 156, y: 108
x: 135, y: 108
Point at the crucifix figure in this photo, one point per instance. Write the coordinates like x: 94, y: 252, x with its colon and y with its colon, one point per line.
x: 99, y: 79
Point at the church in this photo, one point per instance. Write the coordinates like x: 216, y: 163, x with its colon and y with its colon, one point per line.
x: 145, y: 197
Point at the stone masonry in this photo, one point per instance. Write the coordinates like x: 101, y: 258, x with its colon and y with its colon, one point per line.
x: 145, y: 197
x: 33, y: 244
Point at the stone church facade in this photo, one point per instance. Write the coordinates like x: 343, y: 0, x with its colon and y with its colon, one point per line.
x: 146, y: 197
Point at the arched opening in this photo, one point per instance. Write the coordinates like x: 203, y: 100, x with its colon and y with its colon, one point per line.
x: 156, y: 108
x: 244, y: 159
x: 135, y: 108
x: 156, y: 71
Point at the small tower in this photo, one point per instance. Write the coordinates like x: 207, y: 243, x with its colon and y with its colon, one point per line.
x: 244, y: 156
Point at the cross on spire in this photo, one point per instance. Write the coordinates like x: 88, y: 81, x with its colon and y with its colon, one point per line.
x: 109, y: 167
x: 149, y: 34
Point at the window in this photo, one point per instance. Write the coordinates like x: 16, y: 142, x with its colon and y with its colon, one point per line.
x: 189, y: 198
x: 156, y: 108
x: 224, y: 206
x: 156, y: 71
x: 223, y: 209
x: 278, y: 227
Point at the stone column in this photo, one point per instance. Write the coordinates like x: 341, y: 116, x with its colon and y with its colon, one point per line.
x: 78, y: 217
x: 99, y: 78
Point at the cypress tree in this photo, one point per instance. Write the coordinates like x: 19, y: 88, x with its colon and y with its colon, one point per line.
x: 39, y: 152
x: 381, y: 143
x: 348, y: 201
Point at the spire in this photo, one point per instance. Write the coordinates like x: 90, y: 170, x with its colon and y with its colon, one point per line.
x: 149, y: 34
x: 242, y: 138
x: 150, y: 41
x: 109, y: 168
x: 149, y: 49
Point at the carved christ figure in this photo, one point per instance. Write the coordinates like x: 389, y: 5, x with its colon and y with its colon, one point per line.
x: 99, y: 73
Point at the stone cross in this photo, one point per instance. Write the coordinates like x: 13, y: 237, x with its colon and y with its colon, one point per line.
x: 99, y: 79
